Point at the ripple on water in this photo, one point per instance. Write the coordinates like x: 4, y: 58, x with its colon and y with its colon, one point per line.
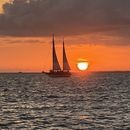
x: 96, y: 101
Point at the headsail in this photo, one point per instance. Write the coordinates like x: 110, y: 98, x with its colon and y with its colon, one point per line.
x: 66, y: 66
x: 56, y: 65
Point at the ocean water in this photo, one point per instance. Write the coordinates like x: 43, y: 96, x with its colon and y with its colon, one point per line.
x: 92, y: 101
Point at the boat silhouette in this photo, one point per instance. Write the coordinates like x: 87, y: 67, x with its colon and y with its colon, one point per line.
x: 56, y: 70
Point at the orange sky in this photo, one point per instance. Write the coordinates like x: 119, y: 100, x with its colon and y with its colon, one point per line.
x: 34, y: 54
x: 1, y: 3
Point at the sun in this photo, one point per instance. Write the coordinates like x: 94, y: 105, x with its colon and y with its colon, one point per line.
x: 82, y: 65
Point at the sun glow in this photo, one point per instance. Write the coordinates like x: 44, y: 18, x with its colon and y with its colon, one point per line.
x: 82, y: 65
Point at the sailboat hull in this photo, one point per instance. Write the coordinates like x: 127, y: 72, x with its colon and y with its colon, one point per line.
x: 59, y: 74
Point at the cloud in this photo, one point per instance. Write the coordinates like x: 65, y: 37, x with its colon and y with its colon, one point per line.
x: 6, y: 40
x: 66, y: 17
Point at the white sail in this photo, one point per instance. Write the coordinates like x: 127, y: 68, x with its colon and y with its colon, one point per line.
x: 66, y: 66
x: 56, y: 65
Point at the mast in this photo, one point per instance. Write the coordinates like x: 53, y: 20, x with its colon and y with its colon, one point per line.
x: 66, y: 66
x: 55, y: 63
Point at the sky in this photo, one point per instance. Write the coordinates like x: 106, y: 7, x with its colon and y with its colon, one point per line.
x: 97, y: 31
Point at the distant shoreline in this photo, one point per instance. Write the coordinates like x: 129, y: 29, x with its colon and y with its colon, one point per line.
x: 72, y: 72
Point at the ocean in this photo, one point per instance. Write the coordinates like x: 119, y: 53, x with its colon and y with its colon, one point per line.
x: 91, y: 101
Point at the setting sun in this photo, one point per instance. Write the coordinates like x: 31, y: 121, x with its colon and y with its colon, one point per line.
x: 82, y: 65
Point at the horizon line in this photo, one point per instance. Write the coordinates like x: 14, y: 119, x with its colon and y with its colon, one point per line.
x: 4, y: 72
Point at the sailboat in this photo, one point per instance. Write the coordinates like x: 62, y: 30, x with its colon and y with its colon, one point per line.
x: 56, y: 70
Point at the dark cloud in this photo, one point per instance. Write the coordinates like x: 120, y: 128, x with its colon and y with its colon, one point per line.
x: 66, y: 17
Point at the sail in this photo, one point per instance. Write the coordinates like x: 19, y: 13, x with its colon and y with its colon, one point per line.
x: 66, y: 66
x: 56, y: 65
